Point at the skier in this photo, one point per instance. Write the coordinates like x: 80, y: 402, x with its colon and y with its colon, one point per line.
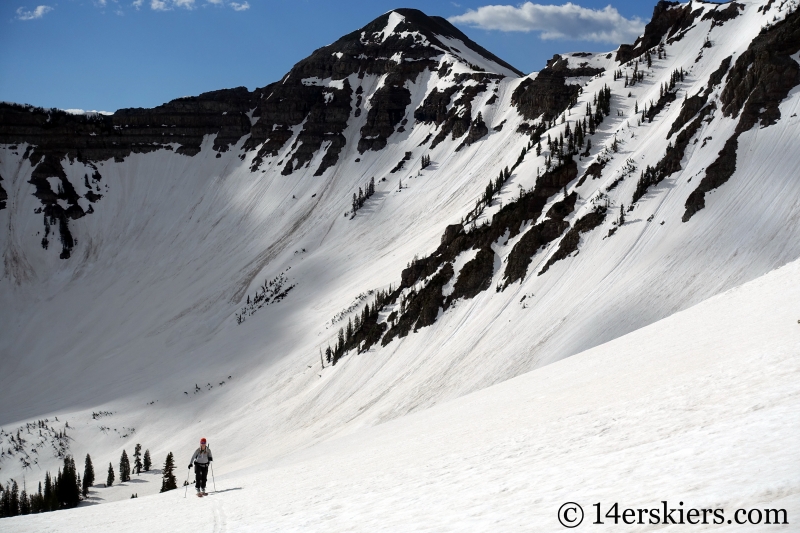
x: 200, y: 460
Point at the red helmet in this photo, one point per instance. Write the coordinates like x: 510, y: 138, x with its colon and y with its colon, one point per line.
x: 203, y: 440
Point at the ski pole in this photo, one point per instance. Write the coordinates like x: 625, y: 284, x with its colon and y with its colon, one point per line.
x: 212, y: 473
x: 186, y: 484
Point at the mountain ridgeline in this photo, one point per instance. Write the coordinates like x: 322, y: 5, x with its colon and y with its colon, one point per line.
x: 266, y: 116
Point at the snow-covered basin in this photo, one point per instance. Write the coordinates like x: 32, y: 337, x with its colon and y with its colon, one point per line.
x: 702, y: 408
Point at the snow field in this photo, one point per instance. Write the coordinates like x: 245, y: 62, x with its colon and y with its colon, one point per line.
x: 700, y: 407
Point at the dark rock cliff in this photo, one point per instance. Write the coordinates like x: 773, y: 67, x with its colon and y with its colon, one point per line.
x: 669, y: 18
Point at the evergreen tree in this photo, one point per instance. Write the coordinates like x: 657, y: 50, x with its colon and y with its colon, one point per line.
x: 168, y: 480
x: 13, y: 503
x: 5, y: 502
x: 67, y: 487
x: 37, y: 501
x: 88, y: 475
x: 110, y: 478
x: 49, y: 494
x: 24, y: 503
x: 147, y: 462
x: 137, y: 457
x: 124, y: 468
x: 621, y: 214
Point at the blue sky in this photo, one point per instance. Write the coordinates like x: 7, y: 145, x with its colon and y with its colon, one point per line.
x: 109, y: 54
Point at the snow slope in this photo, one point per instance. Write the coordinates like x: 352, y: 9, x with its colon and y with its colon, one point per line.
x: 140, y: 321
x: 699, y: 408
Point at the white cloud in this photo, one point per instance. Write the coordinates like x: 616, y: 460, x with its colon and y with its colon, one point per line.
x: 169, y: 5
x: 166, y: 5
x: 37, y: 13
x: 568, y: 21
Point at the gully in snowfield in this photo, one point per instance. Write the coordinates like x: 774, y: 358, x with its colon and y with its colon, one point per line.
x: 200, y: 460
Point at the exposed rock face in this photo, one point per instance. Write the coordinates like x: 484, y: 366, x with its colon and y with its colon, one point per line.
x: 96, y: 137
x: 759, y: 80
x: 721, y: 16
x: 668, y: 19
x: 388, y: 109
x: 457, y: 121
x: 434, y: 108
x: 548, y: 94
x: 569, y: 243
x: 477, y: 131
x: 539, y: 235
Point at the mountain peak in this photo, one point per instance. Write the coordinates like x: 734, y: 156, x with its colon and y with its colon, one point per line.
x: 395, y: 39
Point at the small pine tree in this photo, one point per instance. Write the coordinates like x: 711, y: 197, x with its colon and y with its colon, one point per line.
x: 124, y: 468
x: 68, y: 488
x: 110, y: 478
x: 137, y: 457
x: 621, y: 214
x: 168, y: 480
x: 24, y: 503
x: 147, y: 463
x: 88, y: 475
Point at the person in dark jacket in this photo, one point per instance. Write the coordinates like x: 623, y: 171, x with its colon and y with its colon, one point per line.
x: 200, y: 460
